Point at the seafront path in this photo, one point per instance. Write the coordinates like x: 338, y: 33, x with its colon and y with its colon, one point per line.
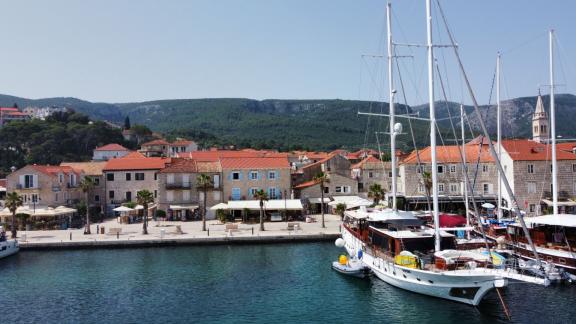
x: 167, y: 233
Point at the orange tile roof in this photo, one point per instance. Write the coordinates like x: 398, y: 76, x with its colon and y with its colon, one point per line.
x: 527, y: 150
x: 450, y: 154
x: 136, y: 161
x: 181, y: 142
x: 479, y: 139
x: 219, y: 154
x: 255, y: 163
x: 369, y: 160
x: 180, y: 165
x: 89, y: 168
x: 156, y: 142
x: 566, y: 146
x: 111, y: 147
x: 330, y: 155
x: 307, y: 184
x: 3, y: 183
x: 55, y: 169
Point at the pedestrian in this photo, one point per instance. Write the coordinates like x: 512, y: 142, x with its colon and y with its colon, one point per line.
x: 97, y: 228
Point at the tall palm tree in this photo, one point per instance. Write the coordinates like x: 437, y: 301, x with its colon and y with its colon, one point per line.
x: 376, y: 192
x: 87, y: 184
x: 145, y: 197
x: 204, y: 182
x: 262, y: 196
x: 322, y: 178
x: 13, y: 201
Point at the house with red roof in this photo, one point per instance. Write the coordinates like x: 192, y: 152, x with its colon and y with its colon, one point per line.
x: 125, y: 176
x: 243, y: 176
x: 372, y: 170
x: 109, y: 151
x: 46, y: 185
x: 11, y: 114
x: 161, y: 147
x: 178, y: 191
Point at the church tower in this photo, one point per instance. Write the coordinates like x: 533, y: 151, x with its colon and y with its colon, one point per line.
x: 540, y: 123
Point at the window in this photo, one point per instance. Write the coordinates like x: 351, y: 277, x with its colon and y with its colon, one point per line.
x: 453, y: 187
x: 56, y: 196
x: 216, y: 195
x: 370, y: 174
x: 484, y: 168
x: 272, y: 175
x: 128, y: 196
x: 155, y: 193
x: 155, y: 176
x: 170, y: 178
x: 235, y: 175
x: 530, y: 168
x: 216, y: 181
x: 96, y: 181
x: 128, y: 176
x: 532, y: 208
x: 486, y: 188
x: 440, y: 168
x: 273, y: 193
x: 452, y: 168
x: 110, y: 176
x: 252, y: 192
x: 390, y: 174
x: 29, y: 181
x: 421, y: 188
x: 170, y: 195
x: 96, y: 198
x: 186, y: 195
x: 326, y: 190
x: 440, y: 187
x: 531, y: 187
x: 139, y: 176
x: 61, y: 177
x: 253, y: 175
x: 111, y: 194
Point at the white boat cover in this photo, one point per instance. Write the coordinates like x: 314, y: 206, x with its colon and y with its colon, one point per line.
x: 567, y: 220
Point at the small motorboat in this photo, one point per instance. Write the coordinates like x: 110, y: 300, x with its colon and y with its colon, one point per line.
x: 352, y: 267
x: 7, y: 247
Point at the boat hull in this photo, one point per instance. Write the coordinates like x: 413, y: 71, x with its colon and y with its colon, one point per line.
x: 8, y: 248
x: 464, y: 286
x: 359, y: 272
x: 561, y: 259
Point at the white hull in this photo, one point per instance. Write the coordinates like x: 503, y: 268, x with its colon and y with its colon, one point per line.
x: 8, y: 248
x: 465, y: 286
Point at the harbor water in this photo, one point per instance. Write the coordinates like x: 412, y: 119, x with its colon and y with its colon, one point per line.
x: 287, y: 283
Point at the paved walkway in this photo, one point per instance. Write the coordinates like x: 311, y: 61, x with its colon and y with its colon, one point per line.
x: 166, y: 233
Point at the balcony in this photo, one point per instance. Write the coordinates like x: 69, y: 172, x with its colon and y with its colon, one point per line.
x: 179, y: 186
x: 56, y: 188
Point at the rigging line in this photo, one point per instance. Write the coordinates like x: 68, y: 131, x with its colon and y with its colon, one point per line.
x: 490, y: 144
x: 381, y: 160
x: 559, y: 55
x: 523, y: 43
x: 406, y: 107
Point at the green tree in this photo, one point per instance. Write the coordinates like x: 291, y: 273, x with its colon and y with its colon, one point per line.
x: 204, y: 182
x: 145, y: 197
x: 376, y: 192
x: 13, y: 201
x: 87, y: 185
x: 127, y: 122
x: 322, y: 178
x: 261, y: 196
x: 340, y: 209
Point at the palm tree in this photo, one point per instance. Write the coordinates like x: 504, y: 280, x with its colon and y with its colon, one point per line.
x: 376, y: 192
x: 87, y: 184
x: 322, y: 178
x: 427, y: 181
x: 340, y: 209
x: 144, y: 197
x: 13, y: 201
x: 262, y: 196
x: 204, y: 182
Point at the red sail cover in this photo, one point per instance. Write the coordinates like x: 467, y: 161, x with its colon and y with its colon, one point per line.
x: 452, y: 220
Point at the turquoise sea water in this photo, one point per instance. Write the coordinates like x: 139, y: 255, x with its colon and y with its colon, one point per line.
x: 287, y: 283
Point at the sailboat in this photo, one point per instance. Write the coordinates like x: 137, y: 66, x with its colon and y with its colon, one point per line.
x: 396, y: 247
x: 553, y: 233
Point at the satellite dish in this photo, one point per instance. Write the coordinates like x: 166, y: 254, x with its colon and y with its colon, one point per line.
x: 397, y: 128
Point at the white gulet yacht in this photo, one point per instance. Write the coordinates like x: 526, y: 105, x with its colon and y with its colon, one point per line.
x: 7, y: 247
x: 399, y: 251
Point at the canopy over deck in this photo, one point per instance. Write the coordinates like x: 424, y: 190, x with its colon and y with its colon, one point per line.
x: 273, y: 204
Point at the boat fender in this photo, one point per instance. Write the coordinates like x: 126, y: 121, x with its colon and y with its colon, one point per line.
x: 360, y: 254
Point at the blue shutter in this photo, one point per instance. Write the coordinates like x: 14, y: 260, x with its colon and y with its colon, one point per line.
x: 277, y: 175
x: 240, y: 175
x: 249, y: 195
x: 229, y: 176
x: 258, y: 175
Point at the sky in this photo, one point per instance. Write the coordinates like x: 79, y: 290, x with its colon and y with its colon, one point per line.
x: 139, y: 50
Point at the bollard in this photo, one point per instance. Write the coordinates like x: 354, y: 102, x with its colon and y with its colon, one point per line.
x: 162, y: 232
x: 252, y: 230
x: 339, y: 228
x: 70, y: 236
x: 117, y: 235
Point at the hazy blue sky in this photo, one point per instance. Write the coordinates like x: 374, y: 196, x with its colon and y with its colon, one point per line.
x: 118, y: 51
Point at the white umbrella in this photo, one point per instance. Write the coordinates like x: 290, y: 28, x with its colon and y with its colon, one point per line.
x: 123, y: 209
x: 488, y: 205
x: 219, y: 206
x: 138, y: 207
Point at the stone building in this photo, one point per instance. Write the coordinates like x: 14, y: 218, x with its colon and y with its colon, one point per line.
x: 371, y: 170
x: 93, y: 170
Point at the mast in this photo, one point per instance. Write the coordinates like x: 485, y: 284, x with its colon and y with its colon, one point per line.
x: 432, y: 125
x: 464, y: 169
x: 499, y: 135
x: 553, y: 128
x: 391, y: 93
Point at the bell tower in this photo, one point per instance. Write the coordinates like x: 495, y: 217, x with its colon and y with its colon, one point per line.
x: 540, y: 123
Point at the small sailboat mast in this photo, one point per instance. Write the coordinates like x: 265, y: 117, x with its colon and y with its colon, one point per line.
x: 553, y: 129
x: 391, y: 93
x: 499, y: 135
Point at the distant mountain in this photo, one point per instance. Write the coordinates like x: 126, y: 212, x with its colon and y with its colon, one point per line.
x: 312, y: 124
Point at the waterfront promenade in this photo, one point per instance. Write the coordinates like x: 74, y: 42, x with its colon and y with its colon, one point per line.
x: 166, y: 233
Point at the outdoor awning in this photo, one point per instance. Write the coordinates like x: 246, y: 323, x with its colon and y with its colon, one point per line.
x: 40, y: 211
x: 568, y: 203
x: 123, y: 209
x: 219, y: 206
x: 273, y: 204
x: 183, y: 207
x: 567, y: 220
x: 317, y: 200
x: 350, y: 201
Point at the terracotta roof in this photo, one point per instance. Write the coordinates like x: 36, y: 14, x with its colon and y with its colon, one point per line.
x: 367, y: 162
x: 527, y: 150
x: 566, y: 146
x: 136, y: 161
x: 55, y: 169
x: 2, y: 183
x: 181, y: 142
x: 310, y: 155
x: 307, y: 184
x: 14, y: 113
x: 330, y: 155
x: 255, y: 163
x: 8, y: 109
x: 358, y: 154
x: 111, y: 147
x: 180, y: 165
x: 450, y: 154
x: 156, y: 142
x: 89, y: 168
x: 208, y: 166
x: 219, y: 154
x: 479, y: 139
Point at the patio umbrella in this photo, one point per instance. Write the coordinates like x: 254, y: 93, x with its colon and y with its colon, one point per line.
x: 123, y: 209
x: 488, y: 206
x: 219, y: 206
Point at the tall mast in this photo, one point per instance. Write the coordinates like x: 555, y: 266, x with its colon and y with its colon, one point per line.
x: 391, y: 104
x: 464, y: 169
x: 499, y: 135
x: 553, y: 128
x: 432, y: 125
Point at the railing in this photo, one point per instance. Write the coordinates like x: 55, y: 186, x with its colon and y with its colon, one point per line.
x: 180, y: 185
